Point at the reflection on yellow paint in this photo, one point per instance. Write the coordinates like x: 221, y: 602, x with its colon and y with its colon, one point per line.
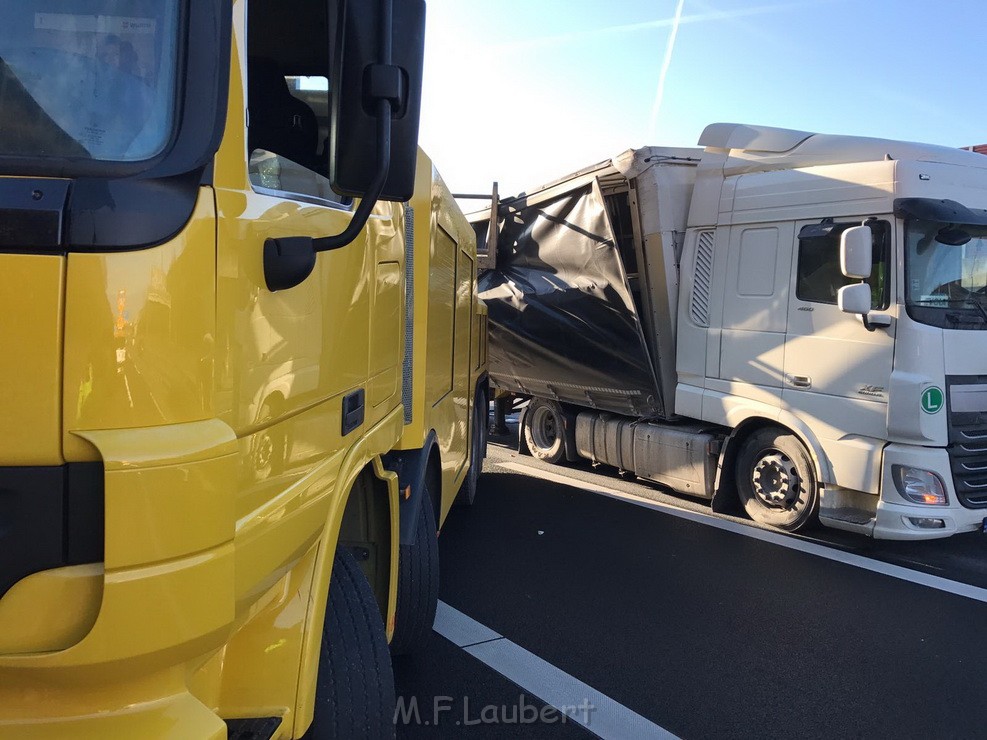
x: 121, y: 323
x: 139, y: 330
x: 279, y: 644
x: 85, y: 390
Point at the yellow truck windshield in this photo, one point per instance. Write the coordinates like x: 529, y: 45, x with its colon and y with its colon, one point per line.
x: 91, y: 79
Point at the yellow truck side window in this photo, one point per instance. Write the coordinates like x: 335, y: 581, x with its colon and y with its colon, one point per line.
x: 273, y: 172
x: 288, y: 105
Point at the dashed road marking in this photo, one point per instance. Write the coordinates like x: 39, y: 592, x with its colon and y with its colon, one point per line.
x: 580, y: 702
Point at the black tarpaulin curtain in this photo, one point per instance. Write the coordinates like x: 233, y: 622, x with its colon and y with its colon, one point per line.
x: 563, y: 323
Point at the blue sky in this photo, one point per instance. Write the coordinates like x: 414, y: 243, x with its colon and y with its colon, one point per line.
x: 524, y: 91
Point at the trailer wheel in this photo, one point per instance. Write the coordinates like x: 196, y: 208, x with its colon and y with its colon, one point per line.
x: 354, y: 695
x: 544, y: 430
x: 418, y: 582
x: 478, y: 451
x: 776, y: 480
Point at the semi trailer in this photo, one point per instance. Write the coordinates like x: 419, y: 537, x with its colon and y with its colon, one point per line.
x: 792, y: 320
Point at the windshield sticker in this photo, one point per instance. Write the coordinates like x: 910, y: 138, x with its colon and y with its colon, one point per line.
x: 932, y: 400
x: 92, y: 23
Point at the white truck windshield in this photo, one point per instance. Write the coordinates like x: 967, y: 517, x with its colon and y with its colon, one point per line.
x: 946, y: 271
x: 92, y: 79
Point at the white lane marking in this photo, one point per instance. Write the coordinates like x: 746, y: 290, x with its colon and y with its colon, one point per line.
x: 581, y: 703
x: 858, y: 561
x: 459, y: 629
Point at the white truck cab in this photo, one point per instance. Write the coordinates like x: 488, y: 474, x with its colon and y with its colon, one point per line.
x: 890, y: 397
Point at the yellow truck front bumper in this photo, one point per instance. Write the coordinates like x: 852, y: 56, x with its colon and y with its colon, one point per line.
x: 106, y: 651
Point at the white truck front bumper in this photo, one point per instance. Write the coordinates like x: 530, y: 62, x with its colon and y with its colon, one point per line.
x: 905, y: 522
x: 900, y: 519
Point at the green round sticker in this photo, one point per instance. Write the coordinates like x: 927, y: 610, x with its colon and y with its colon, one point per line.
x: 932, y: 400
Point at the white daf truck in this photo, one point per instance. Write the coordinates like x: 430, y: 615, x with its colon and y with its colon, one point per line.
x: 794, y: 320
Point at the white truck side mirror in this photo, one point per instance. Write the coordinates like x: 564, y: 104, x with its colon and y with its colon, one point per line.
x: 854, y: 298
x: 856, y: 255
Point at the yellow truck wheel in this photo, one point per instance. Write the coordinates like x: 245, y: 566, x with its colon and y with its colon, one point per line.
x: 354, y: 695
x: 478, y: 451
x: 418, y: 582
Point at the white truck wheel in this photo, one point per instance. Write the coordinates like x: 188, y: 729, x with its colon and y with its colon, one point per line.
x: 776, y: 480
x: 544, y: 430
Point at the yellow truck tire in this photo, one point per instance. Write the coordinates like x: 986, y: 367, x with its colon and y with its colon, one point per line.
x: 478, y: 451
x: 355, y: 691
x: 418, y: 582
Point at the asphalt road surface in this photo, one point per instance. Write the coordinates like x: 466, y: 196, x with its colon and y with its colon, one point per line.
x: 576, y: 603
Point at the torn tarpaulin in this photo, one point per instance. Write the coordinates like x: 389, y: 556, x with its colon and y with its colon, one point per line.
x: 563, y: 323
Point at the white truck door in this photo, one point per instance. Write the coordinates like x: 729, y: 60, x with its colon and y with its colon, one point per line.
x: 755, y: 310
x: 836, y: 371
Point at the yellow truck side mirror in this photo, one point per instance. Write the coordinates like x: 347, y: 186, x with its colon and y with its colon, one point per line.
x: 377, y: 58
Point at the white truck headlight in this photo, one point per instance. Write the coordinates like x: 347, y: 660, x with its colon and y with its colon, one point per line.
x: 919, y: 486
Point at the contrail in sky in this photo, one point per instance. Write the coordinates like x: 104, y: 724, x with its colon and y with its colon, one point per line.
x: 713, y: 15
x: 665, y: 63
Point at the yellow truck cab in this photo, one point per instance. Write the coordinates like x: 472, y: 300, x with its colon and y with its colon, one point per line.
x: 244, y: 367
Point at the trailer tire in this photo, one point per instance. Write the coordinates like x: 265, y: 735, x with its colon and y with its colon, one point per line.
x: 776, y: 480
x: 354, y: 694
x: 478, y: 451
x: 544, y: 430
x: 418, y: 582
